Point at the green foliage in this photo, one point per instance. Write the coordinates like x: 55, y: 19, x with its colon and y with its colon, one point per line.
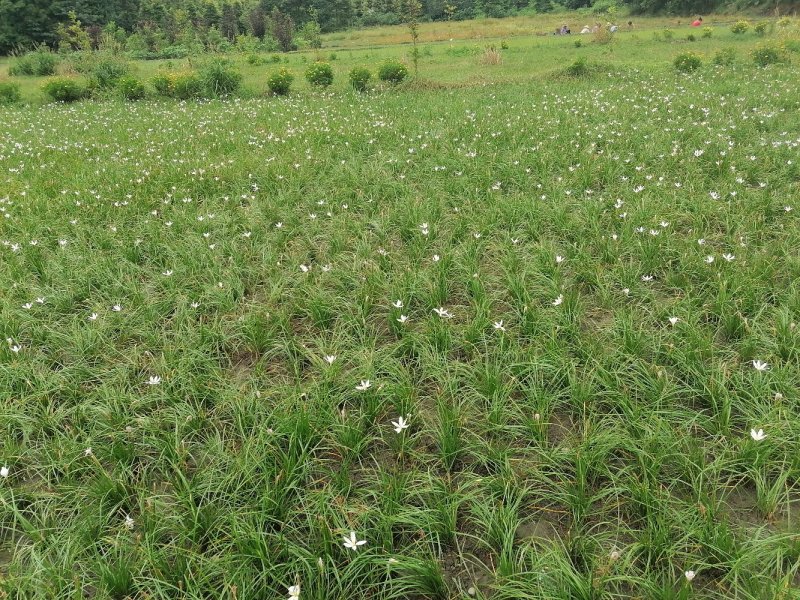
x: 769, y: 54
x: 279, y: 83
x: 311, y: 34
x: 9, y: 93
x: 360, y: 78
x: 72, y: 35
x: 691, y: 38
x: 392, y: 71
x: 724, y: 56
x: 578, y: 43
x: 183, y: 85
x: 220, y: 78
x: 761, y: 28
x: 108, y: 70
x: 668, y: 34
x: 38, y: 63
x: 319, y: 74
x: 65, y: 89
x: 578, y: 68
x: 130, y: 88
x: 687, y: 61
x: 740, y: 27
x: 708, y: 32
x: 504, y: 45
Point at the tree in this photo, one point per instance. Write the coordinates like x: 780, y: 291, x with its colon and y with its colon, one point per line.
x: 282, y: 29
x: 411, y: 12
x: 258, y: 22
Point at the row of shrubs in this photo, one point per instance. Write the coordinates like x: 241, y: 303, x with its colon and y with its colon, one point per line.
x: 762, y: 55
x: 215, y: 79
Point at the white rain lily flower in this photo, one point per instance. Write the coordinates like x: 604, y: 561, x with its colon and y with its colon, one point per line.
x: 402, y: 318
x: 728, y: 257
x: 709, y: 259
x: 27, y: 305
x: 16, y: 348
x: 400, y: 425
x: 117, y: 308
x: 673, y: 320
x: 760, y: 365
x: 558, y: 300
x: 93, y: 317
x: 626, y: 291
x: 329, y: 358
x: 304, y: 268
x: 4, y: 472
x: 167, y: 273
x: 758, y: 435
x: 559, y: 259
x: 88, y: 452
x: 442, y: 312
x: 129, y: 522
x: 40, y: 301
x: 436, y: 258
x: 364, y: 385
x: 195, y: 305
x: 499, y: 325
x: 352, y: 542
x: 689, y: 575
x: 647, y: 278
x: 154, y: 380
x: 397, y: 304
x: 294, y: 592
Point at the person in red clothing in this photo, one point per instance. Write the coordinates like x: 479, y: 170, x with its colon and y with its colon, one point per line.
x: 697, y: 22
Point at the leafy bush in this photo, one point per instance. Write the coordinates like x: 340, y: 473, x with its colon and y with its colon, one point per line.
x: 392, y: 71
x: 769, y: 54
x: 130, y: 88
x: 220, y: 78
x: 761, y: 28
x: 108, y: 71
x: 39, y: 63
x: 740, y: 27
x: 359, y: 78
x: 691, y: 38
x: 504, y: 45
x: 578, y: 43
x: 688, y: 61
x: 64, y: 89
x: 725, y: 57
x: 182, y: 85
x: 708, y: 32
x: 280, y: 82
x: 9, y: 93
x: 319, y: 74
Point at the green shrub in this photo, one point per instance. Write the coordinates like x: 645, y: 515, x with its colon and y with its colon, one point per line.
x: 504, y: 45
x: 688, y: 61
x: 579, y: 68
x: 183, y: 85
x: 319, y: 74
x: 708, y: 32
x: 9, y: 93
x: 740, y: 27
x: 668, y: 34
x: 64, y: 89
x: 39, y: 63
x: 359, y: 78
x: 130, y: 88
x: 108, y: 71
x: 220, y: 78
x: 392, y: 71
x: 691, y: 37
x: 769, y: 54
x: 761, y: 28
x: 725, y: 57
x: 280, y: 82
x: 578, y: 43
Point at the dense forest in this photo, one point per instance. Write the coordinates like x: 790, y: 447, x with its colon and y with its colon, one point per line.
x: 160, y: 23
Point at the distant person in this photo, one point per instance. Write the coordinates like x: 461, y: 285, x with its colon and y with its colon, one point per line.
x: 586, y: 29
x: 630, y: 24
x: 697, y: 22
x: 613, y: 29
x: 596, y: 28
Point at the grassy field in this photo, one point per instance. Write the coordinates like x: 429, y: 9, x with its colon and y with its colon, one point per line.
x: 521, y: 336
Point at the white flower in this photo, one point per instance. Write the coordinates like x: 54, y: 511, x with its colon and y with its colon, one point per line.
x: 364, y: 385
x: 154, y: 380
x: 304, y: 268
x: 758, y: 435
x: 116, y: 308
x: 353, y: 542
x: 436, y: 258
x: 397, y: 304
x: 167, y: 273
x: 93, y: 317
x: 329, y: 358
x: 4, y: 472
x: 294, y: 592
x: 402, y: 318
x: 558, y: 300
x: 400, y: 424
x: 129, y: 522
x: 87, y: 452
x: 615, y: 554
x: 689, y: 575
x: 195, y: 305
x: 16, y: 348
x: 728, y: 257
x: 647, y: 278
x: 709, y: 259
x: 759, y: 365
x: 499, y: 325
x: 673, y: 320
x: 442, y: 312
x: 40, y: 301
x: 626, y: 291
x: 559, y: 259
x: 27, y: 306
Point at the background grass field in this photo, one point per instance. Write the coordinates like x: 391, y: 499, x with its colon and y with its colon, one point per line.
x: 581, y: 293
